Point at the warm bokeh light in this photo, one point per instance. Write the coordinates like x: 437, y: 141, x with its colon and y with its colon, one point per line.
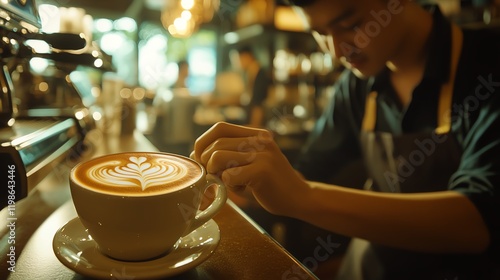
x: 103, y: 25
x: 43, y: 87
x: 125, y: 24
x: 39, y: 65
x: 181, y: 18
x: 187, y: 4
x: 98, y: 63
x: 186, y: 15
x: 286, y: 18
x: 50, y: 18
x: 139, y: 93
x: 125, y: 93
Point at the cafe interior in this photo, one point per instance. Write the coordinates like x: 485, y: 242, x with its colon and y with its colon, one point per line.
x: 81, y: 78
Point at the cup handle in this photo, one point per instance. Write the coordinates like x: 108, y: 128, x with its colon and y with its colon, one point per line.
x: 219, y: 201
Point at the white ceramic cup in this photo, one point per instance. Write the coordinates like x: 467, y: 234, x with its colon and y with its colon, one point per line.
x: 137, y: 205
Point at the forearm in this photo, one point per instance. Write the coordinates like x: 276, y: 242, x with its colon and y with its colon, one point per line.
x: 440, y: 222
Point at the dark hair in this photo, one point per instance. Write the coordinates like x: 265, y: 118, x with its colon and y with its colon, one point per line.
x: 299, y: 3
x: 181, y: 63
x: 245, y: 49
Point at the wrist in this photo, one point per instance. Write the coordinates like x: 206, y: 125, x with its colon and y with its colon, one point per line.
x: 304, y: 204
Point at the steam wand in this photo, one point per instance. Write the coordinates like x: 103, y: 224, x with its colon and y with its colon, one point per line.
x: 12, y: 46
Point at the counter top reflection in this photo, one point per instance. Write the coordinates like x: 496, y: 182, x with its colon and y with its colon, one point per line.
x: 244, y: 251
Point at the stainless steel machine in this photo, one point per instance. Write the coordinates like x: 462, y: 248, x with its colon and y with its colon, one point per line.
x: 34, y: 138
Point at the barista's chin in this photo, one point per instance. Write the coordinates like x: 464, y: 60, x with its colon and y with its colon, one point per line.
x: 358, y: 73
x: 364, y: 71
x: 358, y: 69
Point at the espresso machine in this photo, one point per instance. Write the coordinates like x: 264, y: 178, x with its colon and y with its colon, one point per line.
x: 33, y: 139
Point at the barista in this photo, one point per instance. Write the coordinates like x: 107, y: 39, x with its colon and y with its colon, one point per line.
x: 419, y: 104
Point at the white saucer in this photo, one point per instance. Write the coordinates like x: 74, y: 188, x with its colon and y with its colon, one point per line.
x: 77, y: 250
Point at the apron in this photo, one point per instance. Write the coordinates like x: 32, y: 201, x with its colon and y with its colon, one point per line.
x: 407, y: 163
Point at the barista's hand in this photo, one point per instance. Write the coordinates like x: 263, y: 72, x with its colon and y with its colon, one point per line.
x: 246, y: 157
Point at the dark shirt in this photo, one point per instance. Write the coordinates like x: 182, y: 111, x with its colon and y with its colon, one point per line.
x: 334, y: 141
x: 260, y: 87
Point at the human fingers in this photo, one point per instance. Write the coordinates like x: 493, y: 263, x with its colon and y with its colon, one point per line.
x: 225, y: 130
x: 249, y: 179
x: 248, y: 146
x: 238, y: 170
x: 222, y: 160
x: 273, y: 184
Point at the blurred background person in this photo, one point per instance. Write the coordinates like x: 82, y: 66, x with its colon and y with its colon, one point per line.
x: 256, y: 83
x: 183, y: 75
x: 175, y: 108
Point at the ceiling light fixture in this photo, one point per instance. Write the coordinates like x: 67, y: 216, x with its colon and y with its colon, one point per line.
x: 181, y: 18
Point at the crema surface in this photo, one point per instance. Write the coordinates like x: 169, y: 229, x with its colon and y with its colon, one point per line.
x: 137, y: 174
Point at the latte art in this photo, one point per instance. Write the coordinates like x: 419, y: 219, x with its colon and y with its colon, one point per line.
x: 137, y: 173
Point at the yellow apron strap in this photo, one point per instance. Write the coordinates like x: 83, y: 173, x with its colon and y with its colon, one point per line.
x: 370, y: 117
x: 446, y: 95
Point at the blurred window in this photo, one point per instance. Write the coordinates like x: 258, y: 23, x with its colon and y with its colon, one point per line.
x: 159, y: 53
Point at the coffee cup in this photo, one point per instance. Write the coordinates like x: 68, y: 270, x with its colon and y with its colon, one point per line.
x: 137, y: 205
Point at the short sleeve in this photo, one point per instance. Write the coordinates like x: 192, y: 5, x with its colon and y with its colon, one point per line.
x: 478, y: 175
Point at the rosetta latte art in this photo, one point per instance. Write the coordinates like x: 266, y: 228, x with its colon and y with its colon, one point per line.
x: 137, y: 173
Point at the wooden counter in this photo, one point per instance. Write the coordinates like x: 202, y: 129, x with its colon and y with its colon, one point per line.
x: 244, y: 251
